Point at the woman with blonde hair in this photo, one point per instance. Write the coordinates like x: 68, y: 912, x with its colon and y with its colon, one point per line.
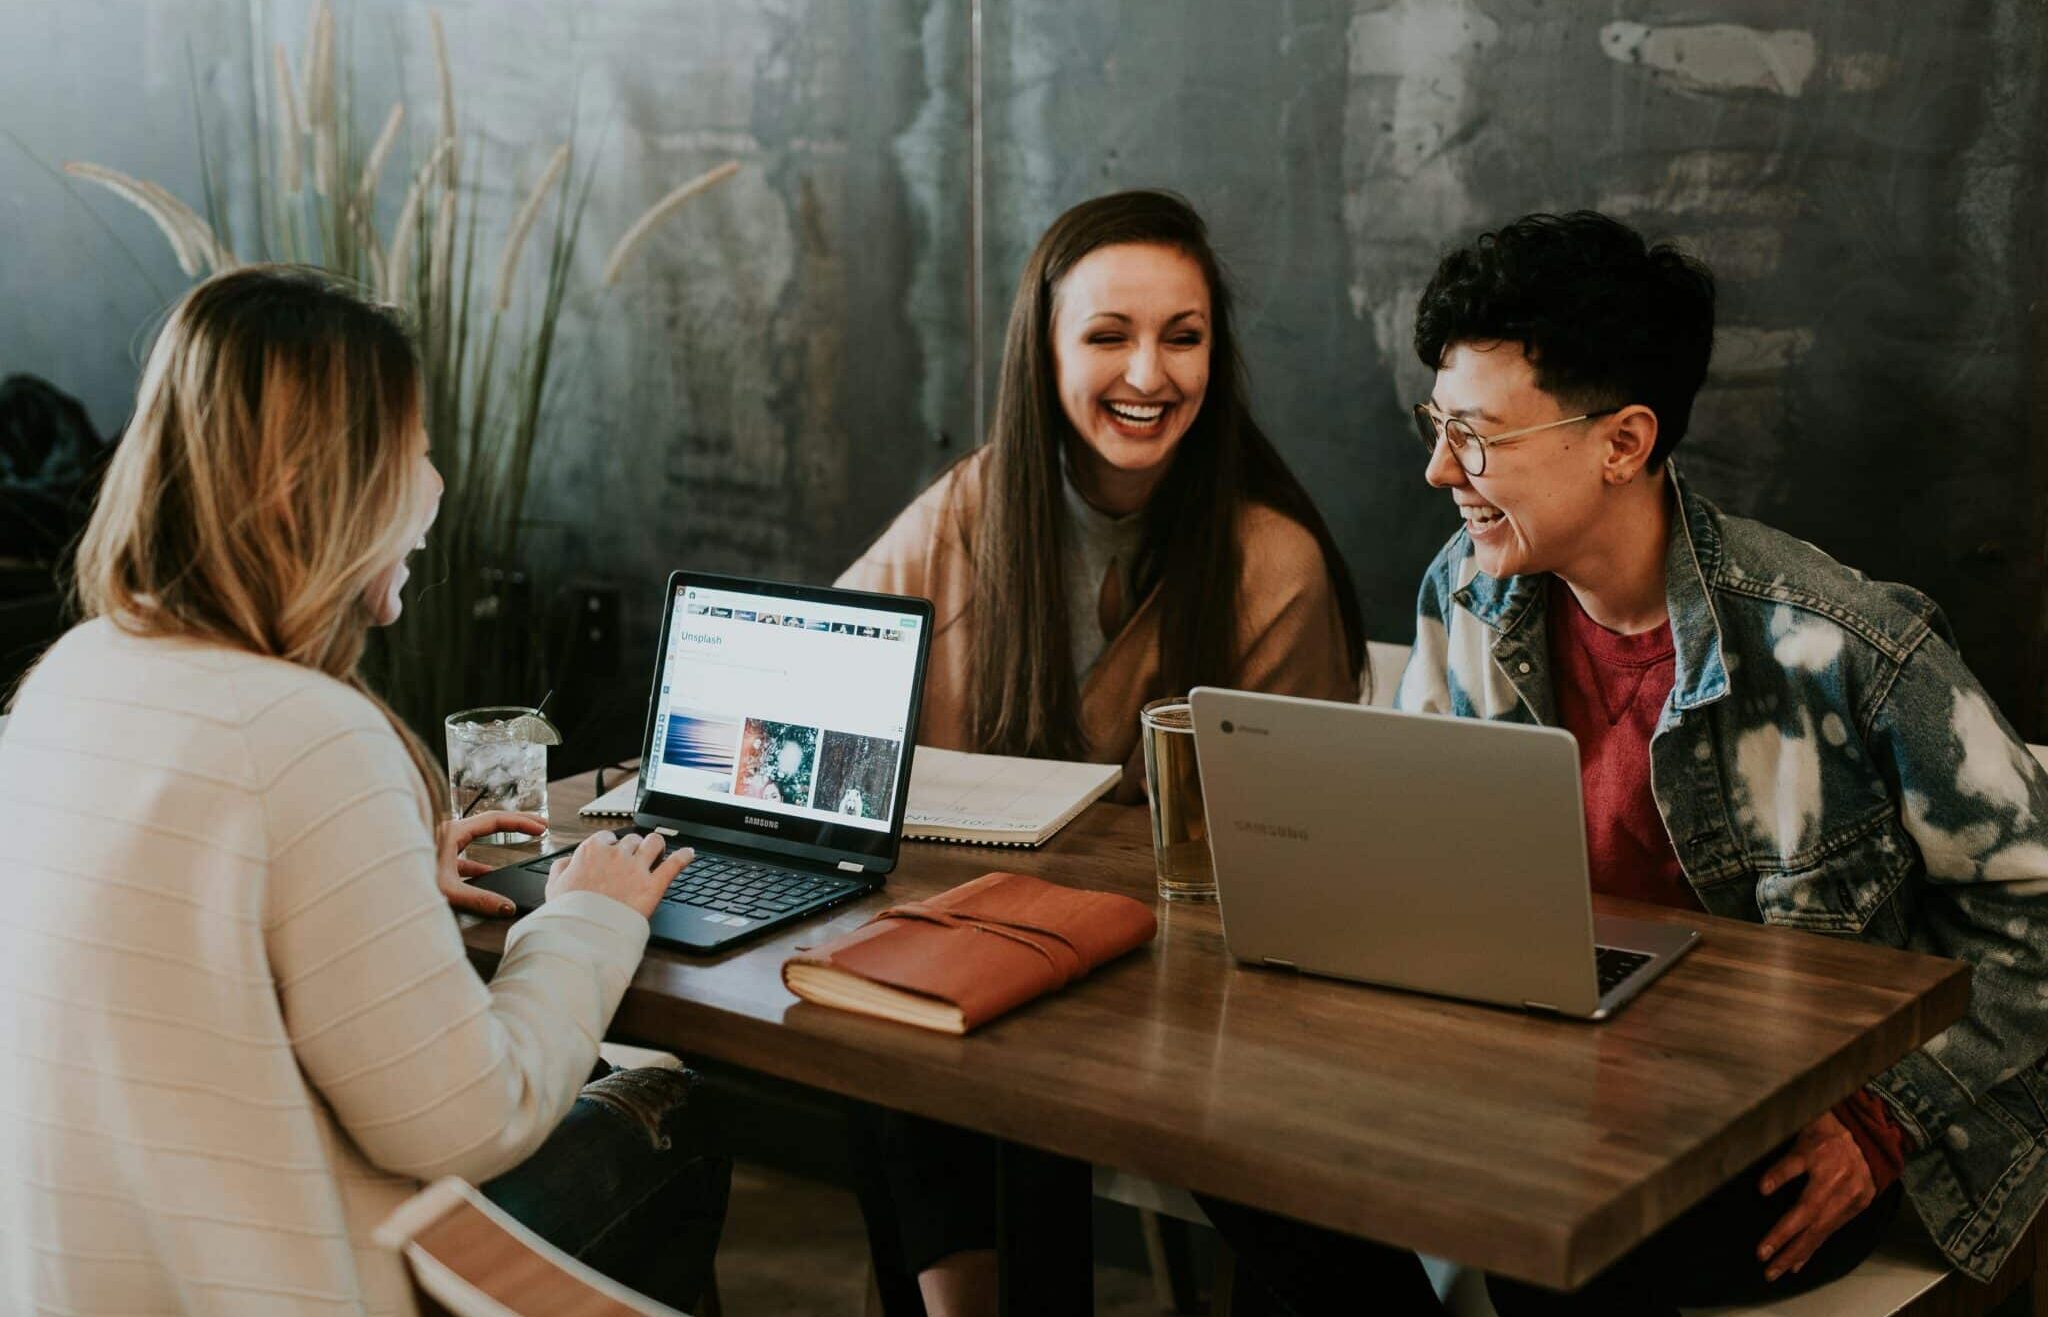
x: 237, y: 1023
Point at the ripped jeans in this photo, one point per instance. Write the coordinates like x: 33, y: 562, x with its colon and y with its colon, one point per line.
x: 632, y: 1183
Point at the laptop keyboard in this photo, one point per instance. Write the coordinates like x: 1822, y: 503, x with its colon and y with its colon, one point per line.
x: 1613, y: 965
x: 745, y: 889
x: 751, y: 890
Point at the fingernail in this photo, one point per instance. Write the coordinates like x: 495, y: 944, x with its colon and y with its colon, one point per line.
x: 506, y: 907
x: 1764, y: 1254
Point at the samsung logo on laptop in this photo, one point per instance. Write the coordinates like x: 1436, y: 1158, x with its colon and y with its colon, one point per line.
x: 1280, y: 830
x: 759, y: 822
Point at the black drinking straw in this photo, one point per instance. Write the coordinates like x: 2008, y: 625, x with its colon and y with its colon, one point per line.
x: 535, y: 714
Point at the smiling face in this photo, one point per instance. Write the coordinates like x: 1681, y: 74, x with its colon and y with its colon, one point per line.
x: 1541, y: 501
x: 382, y: 596
x: 1131, y: 347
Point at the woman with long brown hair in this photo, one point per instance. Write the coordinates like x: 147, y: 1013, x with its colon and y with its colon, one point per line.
x: 1128, y: 531
x: 237, y: 1024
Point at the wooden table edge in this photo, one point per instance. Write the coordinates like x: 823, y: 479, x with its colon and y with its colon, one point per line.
x: 834, y: 1062
x: 1786, y: 1110
x: 840, y: 1061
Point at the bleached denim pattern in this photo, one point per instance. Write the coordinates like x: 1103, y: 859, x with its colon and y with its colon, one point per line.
x: 1827, y: 762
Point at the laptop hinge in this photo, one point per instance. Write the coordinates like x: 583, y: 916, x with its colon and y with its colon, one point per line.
x: 848, y: 866
x: 1278, y: 963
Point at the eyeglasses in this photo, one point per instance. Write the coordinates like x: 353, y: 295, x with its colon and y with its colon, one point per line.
x: 1468, y: 445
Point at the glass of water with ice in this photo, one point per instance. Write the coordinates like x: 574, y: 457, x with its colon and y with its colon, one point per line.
x: 498, y: 759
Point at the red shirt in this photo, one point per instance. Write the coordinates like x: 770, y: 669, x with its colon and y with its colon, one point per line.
x: 1610, y: 691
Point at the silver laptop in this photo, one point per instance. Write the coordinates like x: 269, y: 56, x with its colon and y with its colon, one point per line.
x: 1443, y: 855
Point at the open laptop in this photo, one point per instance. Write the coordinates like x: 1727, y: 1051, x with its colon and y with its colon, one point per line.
x: 778, y: 744
x: 1443, y: 855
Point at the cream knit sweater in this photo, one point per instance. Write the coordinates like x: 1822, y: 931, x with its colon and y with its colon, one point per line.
x: 236, y: 1022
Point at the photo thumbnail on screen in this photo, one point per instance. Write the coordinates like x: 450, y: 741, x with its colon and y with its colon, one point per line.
x: 703, y: 746
x: 777, y: 761
x: 857, y: 774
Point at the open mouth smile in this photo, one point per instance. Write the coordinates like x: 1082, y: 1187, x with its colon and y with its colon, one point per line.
x: 1482, y: 521
x: 1136, y: 418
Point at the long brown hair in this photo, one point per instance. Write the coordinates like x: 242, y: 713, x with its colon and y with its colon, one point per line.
x: 266, y: 479
x: 1025, y: 698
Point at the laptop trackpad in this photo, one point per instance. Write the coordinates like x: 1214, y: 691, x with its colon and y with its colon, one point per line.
x: 526, y: 884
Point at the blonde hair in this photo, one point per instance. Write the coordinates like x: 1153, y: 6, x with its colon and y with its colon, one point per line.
x: 266, y: 478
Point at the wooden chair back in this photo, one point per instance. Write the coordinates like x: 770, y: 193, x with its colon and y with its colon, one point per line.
x: 468, y: 1258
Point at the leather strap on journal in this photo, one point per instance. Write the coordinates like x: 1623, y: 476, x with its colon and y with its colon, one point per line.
x: 989, y: 945
x: 1047, y: 942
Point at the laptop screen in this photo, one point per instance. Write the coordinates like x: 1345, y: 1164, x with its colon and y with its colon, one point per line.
x: 786, y: 712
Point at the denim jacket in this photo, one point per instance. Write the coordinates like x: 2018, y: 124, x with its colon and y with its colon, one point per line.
x: 1825, y: 761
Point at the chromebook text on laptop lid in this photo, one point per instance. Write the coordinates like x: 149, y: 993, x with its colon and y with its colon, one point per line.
x: 782, y: 718
x: 1442, y: 855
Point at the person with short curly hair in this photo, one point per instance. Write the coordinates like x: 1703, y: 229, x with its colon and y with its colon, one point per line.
x: 1764, y: 734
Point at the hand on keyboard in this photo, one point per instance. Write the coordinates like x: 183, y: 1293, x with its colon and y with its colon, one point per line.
x: 630, y: 869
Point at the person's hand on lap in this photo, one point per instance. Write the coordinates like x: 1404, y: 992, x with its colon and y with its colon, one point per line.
x: 1838, y: 1186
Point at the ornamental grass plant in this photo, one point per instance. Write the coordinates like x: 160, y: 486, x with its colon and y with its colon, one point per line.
x: 487, y: 332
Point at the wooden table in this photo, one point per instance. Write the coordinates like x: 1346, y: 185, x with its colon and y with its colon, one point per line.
x: 1536, y: 1148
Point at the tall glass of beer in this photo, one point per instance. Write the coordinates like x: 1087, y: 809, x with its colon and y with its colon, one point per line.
x: 1180, y: 832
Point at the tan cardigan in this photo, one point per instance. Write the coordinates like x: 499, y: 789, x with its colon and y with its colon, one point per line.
x: 1290, y: 634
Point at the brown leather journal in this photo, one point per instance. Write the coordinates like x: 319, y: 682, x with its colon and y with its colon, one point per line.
x: 967, y: 955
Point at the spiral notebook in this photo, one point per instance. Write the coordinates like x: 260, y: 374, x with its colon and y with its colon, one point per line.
x: 985, y: 800
x: 618, y: 803
x: 997, y: 800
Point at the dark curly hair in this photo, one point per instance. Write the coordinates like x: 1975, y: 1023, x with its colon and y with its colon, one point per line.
x: 1606, y: 319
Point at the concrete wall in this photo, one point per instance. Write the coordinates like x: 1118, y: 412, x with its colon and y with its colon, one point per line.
x: 1866, y: 179
x: 779, y: 366
x: 81, y: 276
x: 789, y: 363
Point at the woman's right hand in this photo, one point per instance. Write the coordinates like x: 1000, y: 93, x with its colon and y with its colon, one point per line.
x: 630, y: 871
